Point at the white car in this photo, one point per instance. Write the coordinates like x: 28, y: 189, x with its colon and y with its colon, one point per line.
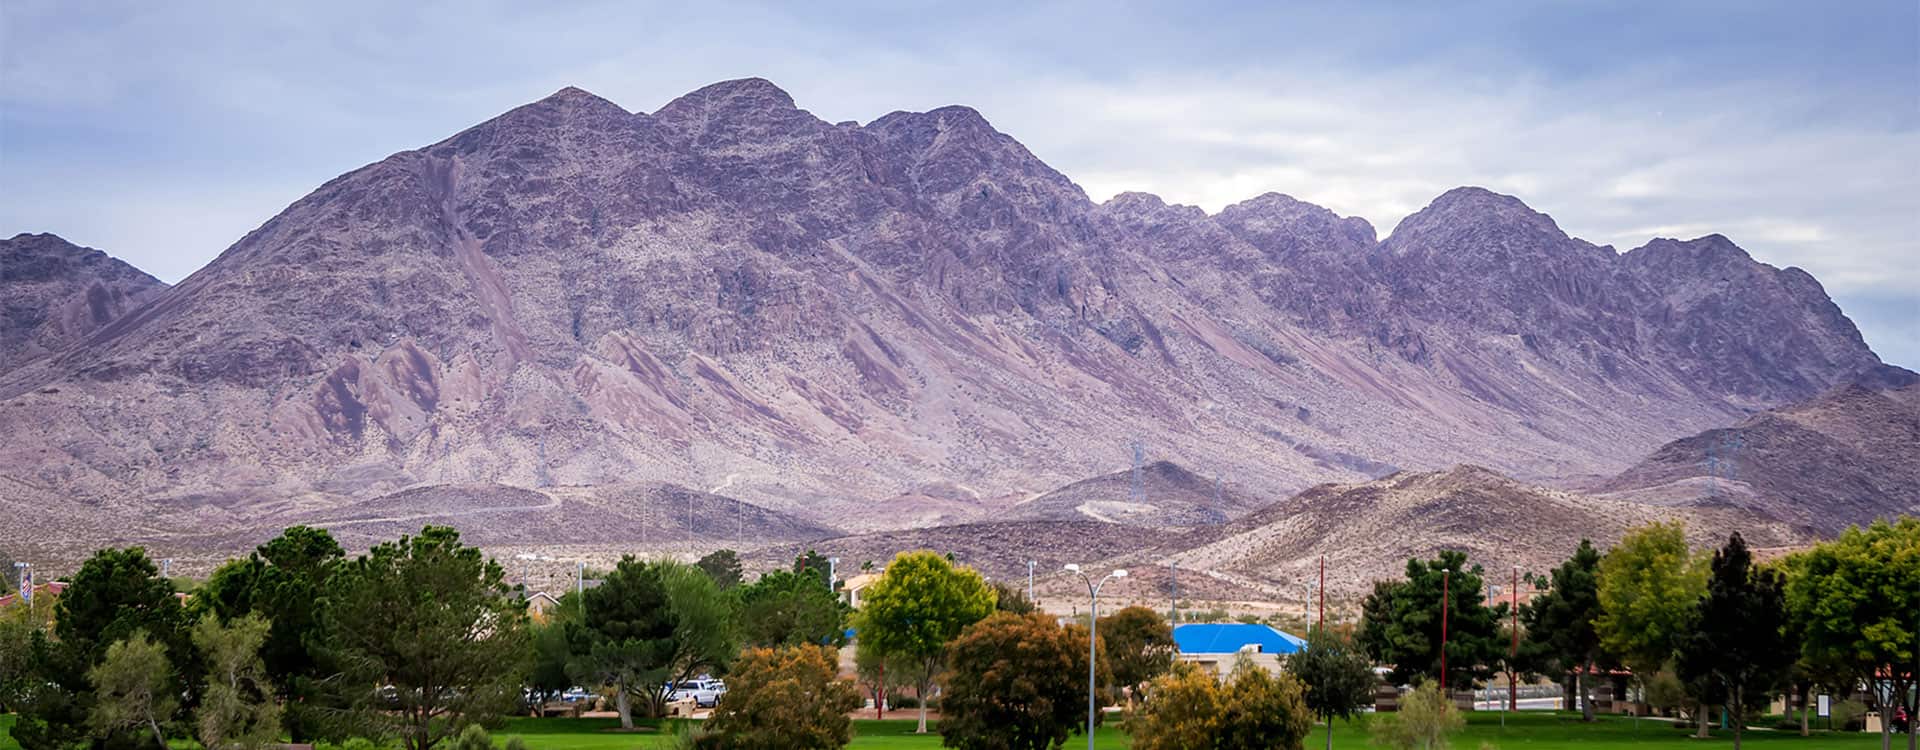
x: 705, y: 693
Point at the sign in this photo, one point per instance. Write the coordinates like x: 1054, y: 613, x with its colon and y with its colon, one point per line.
x: 1826, y: 706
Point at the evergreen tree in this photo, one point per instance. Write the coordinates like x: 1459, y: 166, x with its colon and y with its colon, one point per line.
x: 723, y: 566
x: 133, y: 688
x: 790, y: 609
x: 1561, y: 620
x: 427, y: 638
x: 1401, y: 622
x: 1739, y: 643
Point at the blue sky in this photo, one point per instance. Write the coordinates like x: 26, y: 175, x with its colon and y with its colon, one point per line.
x: 162, y: 132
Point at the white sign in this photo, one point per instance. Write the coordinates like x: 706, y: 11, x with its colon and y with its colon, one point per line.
x: 1826, y: 706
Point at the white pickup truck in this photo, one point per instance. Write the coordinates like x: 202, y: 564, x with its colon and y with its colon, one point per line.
x: 705, y: 693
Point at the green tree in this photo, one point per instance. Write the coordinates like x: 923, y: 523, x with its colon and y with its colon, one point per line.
x: 1648, y: 588
x: 1738, y: 644
x: 723, y: 566
x: 789, y: 609
x: 1252, y: 710
x: 133, y: 687
x: 427, y: 638
x: 238, y: 710
x: 1856, y: 600
x: 787, y: 698
x: 1337, y: 674
x: 625, y: 631
x: 1014, y: 683
x: 551, y: 650
x: 1401, y: 622
x: 1561, y: 620
x: 116, y: 593
x: 1423, y: 722
x: 285, y: 580
x: 1136, y: 645
x: 920, y: 604
x: 705, y: 634
x: 21, y: 626
x: 816, y: 565
x: 1007, y: 598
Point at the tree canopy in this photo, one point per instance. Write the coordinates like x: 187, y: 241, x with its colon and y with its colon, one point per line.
x: 1136, y: 645
x: 921, y: 603
x: 1015, y: 682
x: 1560, y: 621
x: 1856, y: 598
x: 789, y: 609
x: 1401, y: 622
x: 1739, y: 643
x: 1337, y: 674
x: 435, y: 622
x: 787, y: 698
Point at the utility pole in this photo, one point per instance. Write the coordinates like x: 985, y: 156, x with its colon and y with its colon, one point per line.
x: 1445, y: 594
x: 1323, y: 591
x: 1513, y: 654
x: 1030, y: 598
x: 1173, y: 602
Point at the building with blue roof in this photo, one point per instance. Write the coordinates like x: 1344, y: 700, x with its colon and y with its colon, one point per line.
x: 1220, y: 646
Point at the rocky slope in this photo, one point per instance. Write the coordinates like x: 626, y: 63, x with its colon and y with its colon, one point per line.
x: 1367, y: 531
x: 730, y: 292
x: 54, y: 293
x: 1846, y: 457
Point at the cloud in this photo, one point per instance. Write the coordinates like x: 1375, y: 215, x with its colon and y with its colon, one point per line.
x: 162, y: 132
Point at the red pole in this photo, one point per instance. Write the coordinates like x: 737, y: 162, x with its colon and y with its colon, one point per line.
x: 1323, y: 591
x: 1445, y: 594
x: 1513, y: 682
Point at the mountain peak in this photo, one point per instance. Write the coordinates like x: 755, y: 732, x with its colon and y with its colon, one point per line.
x: 733, y: 98
x: 1464, y: 207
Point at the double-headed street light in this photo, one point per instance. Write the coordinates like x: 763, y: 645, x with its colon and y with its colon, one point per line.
x: 1093, y: 636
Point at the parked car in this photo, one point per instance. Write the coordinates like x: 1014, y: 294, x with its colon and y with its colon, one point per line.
x: 704, y: 692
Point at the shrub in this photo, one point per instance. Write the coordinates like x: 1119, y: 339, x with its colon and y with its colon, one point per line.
x: 784, y: 698
x: 1423, y: 722
x: 473, y: 737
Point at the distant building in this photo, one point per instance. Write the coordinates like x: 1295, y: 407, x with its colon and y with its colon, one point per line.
x: 1220, y: 647
x: 852, y: 588
x: 540, y: 605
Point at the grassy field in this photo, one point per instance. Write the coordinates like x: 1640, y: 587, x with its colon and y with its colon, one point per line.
x: 1527, y: 730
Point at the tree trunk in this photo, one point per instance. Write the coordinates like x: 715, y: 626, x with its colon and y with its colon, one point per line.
x: 1329, y: 733
x: 921, y: 691
x: 1700, y: 721
x: 157, y: 736
x: 1739, y: 713
x: 622, y: 705
x: 1804, y: 693
x: 1586, y: 698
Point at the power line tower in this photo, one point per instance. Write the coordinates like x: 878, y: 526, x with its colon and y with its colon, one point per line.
x: 1139, y: 492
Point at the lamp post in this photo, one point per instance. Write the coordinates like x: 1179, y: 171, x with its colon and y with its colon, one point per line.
x: 1093, y: 636
x: 1513, y: 654
x: 1445, y: 576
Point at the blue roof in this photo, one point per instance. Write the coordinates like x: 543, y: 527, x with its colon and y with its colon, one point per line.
x: 1227, y: 638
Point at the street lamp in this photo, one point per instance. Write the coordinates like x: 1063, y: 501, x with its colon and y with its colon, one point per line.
x: 1093, y: 636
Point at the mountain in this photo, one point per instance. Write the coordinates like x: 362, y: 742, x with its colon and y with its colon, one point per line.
x: 56, y: 293
x: 729, y: 292
x: 1367, y: 531
x: 1848, y: 456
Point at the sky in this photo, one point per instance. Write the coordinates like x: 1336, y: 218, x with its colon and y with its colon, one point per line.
x: 163, y: 132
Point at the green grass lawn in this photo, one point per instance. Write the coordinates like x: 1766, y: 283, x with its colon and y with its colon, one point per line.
x: 1524, y: 730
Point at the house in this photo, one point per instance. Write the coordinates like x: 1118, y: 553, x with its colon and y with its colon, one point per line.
x: 540, y: 604
x: 851, y: 588
x: 1220, y: 647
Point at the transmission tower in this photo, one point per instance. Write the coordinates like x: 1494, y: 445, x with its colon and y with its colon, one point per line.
x: 1139, y: 493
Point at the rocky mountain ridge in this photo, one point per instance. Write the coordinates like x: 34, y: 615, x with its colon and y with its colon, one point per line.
x: 730, y: 291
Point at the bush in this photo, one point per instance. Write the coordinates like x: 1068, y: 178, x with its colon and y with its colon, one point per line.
x: 1253, y: 709
x: 787, y: 698
x: 1849, y: 715
x: 1423, y: 722
x: 473, y: 737
x: 515, y: 743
